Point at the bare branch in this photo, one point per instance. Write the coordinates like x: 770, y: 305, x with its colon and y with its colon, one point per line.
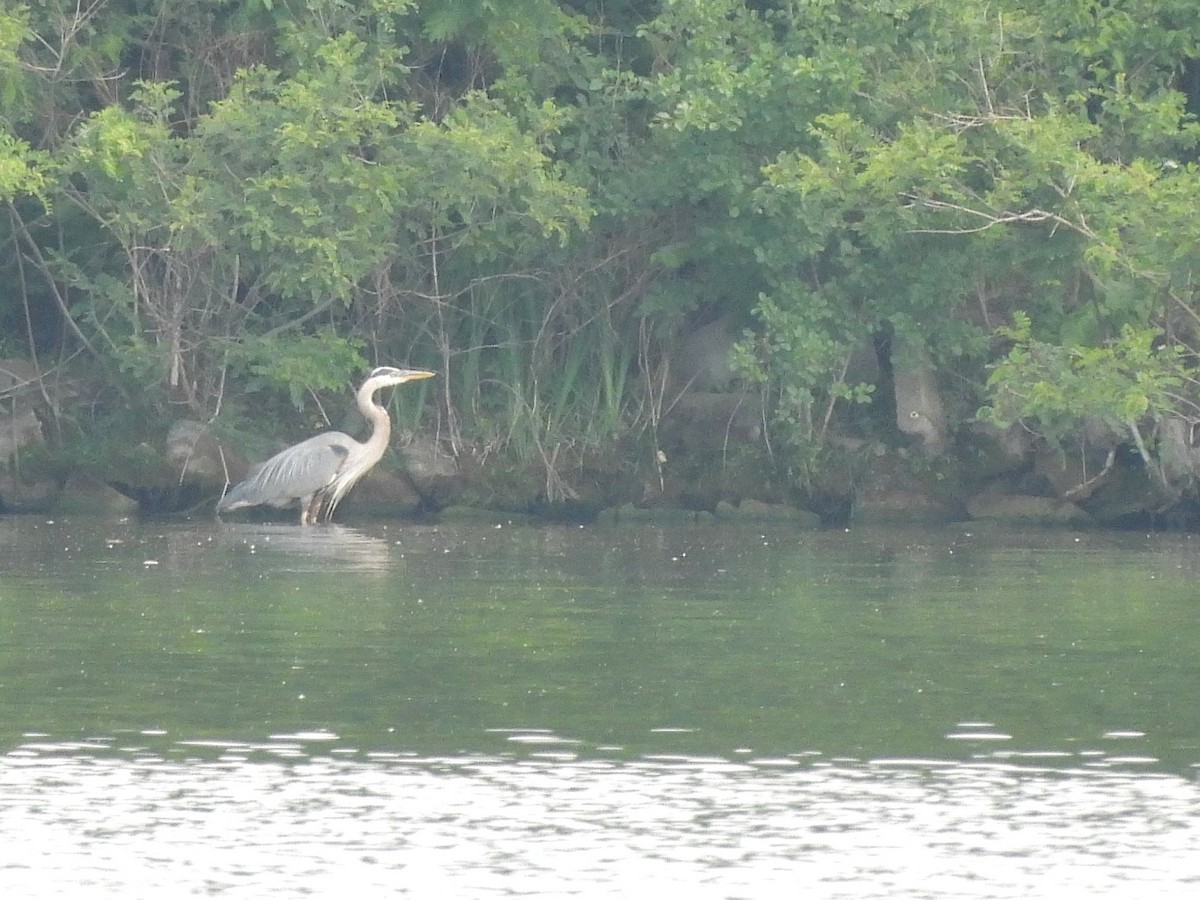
x: 992, y: 219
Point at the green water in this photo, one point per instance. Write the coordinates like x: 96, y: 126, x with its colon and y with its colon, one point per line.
x: 250, y: 710
x: 701, y: 640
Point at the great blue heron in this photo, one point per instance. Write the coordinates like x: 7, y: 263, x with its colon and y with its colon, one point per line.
x: 319, y: 471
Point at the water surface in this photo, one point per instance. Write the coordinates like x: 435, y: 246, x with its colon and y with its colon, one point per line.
x: 242, y: 710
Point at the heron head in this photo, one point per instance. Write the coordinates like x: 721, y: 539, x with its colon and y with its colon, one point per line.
x: 385, y: 376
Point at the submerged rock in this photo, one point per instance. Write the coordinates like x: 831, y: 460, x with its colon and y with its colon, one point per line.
x: 480, y: 514
x: 758, y: 511
x: 657, y: 515
x: 1023, y: 509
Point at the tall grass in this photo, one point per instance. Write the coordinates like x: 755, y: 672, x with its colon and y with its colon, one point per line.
x: 542, y: 378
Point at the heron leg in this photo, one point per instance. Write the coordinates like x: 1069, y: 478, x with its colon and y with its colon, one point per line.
x: 320, y: 510
x: 310, y: 506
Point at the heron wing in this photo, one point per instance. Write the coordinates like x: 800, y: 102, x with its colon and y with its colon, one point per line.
x: 299, y: 471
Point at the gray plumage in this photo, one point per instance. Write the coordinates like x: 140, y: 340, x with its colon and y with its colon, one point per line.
x: 318, y: 472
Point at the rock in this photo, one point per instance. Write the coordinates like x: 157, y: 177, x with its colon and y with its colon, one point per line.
x: 381, y: 494
x: 480, y: 514
x: 1024, y: 509
x: 196, y: 456
x: 84, y: 495
x: 18, y: 376
x: 919, y: 408
x: 1130, y: 495
x: 991, y: 451
x: 758, y: 511
x: 1074, y: 476
x: 892, y: 494
x: 18, y: 429
x: 713, y: 419
x: 433, y: 472
x: 701, y: 361
x: 703, y: 408
x: 19, y: 425
x: 659, y: 515
x: 20, y: 380
x: 900, y: 506
x: 1178, y: 451
x: 863, y: 366
x: 19, y: 495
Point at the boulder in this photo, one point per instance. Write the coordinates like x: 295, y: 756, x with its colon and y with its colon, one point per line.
x: 1178, y: 450
x: 919, y: 409
x: 20, y: 495
x: 18, y: 376
x: 920, y: 412
x: 83, y: 495
x: 713, y: 419
x: 195, y: 456
x: 19, y: 428
x: 701, y: 360
x: 19, y: 425
x: 990, y: 451
x: 381, y: 494
x: 433, y: 472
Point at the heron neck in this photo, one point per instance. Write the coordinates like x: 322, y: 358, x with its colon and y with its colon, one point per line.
x: 381, y: 423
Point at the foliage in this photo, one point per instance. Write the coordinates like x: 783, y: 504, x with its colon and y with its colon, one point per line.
x: 210, y: 200
x: 321, y: 362
x: 19, y: 171
x: 1057, y: 388
x: 945, y: 163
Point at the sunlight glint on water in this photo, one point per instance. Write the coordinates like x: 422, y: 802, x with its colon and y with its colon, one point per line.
x: 472, y: 825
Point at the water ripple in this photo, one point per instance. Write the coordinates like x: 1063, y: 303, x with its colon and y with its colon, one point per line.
x: 483, y: 825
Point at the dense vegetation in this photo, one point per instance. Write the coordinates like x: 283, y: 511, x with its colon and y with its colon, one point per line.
x: 221, y: 210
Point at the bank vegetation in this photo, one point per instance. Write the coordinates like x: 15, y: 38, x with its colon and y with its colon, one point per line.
x: 890, y: 255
